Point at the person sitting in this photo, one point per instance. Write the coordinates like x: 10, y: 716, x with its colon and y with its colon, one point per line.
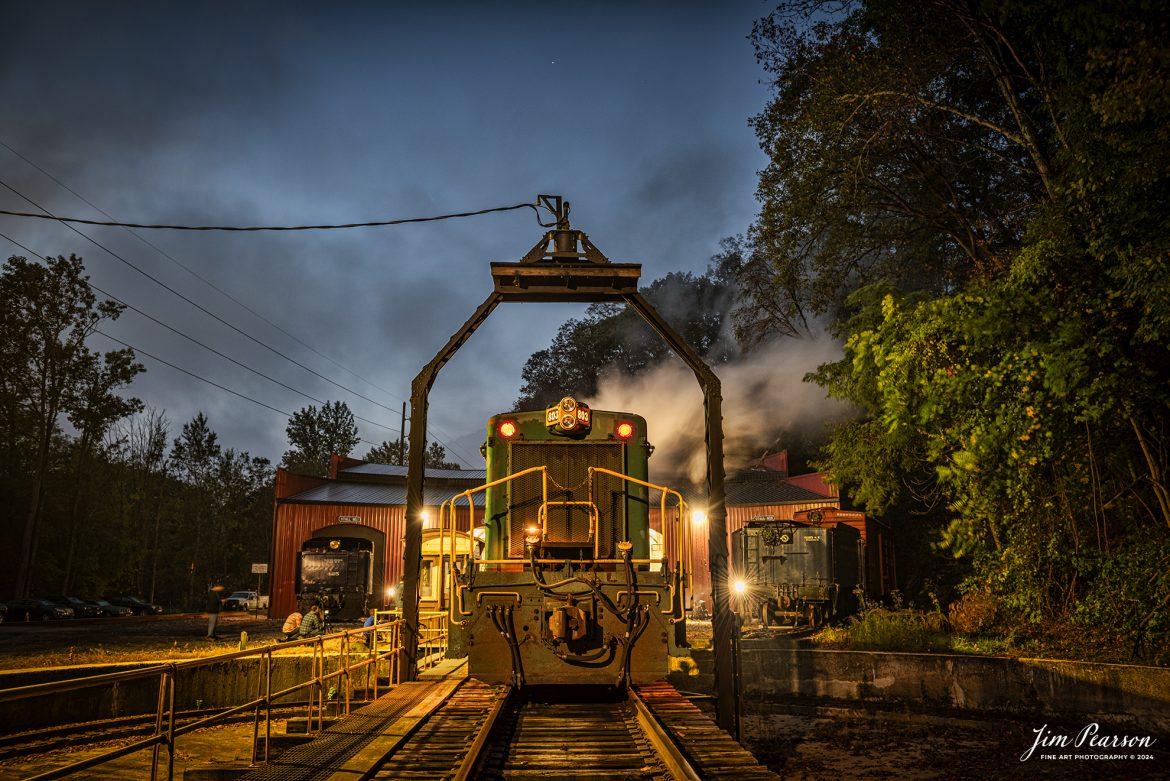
x: 292, y: 626
x: 312, y: 625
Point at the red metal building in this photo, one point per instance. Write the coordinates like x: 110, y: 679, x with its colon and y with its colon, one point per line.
x: 763, y: 491
x: 358, y: 500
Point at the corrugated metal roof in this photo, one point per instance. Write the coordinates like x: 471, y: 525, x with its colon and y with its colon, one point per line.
x: 750, y: 487
x: 393, y: 470
x: 377, y: 494
x: 771, y: 492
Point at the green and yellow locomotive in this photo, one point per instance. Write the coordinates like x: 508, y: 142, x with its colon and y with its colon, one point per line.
x: 572, y: 585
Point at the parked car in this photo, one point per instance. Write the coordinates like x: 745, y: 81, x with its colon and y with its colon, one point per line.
x: 245, y: 600
x: 36, y: 609
x: 109, y: 610
x: 139, y: 607
x: 81, y: 608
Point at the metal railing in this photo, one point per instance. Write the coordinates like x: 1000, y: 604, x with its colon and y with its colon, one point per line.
x: 676, y: 532
x: 333, y: 673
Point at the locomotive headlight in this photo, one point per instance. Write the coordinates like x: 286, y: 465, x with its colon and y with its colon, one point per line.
x: 698, y: 517
x: 624, y: 429
x: 391, y: 593
x: 532, y: 535
x: 507, y: 429
x: 739, y: 586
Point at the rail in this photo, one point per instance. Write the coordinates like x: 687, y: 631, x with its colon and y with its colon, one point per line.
x: 335, y: 663
x: 681, y: 589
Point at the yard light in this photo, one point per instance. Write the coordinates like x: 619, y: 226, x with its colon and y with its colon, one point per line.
x: 698, y: 517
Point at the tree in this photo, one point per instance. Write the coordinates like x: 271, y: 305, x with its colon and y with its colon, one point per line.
x: 979, y: 203
x: 194, y: 457
x: 437, y: 457
x: 47, y: 313
x: 96, y: 410
x: 394, y: 452
x: 144, y: 477
x: 611, y: 337
x: 391, y: 451
x: 314, y: 435
x: 908, y: 145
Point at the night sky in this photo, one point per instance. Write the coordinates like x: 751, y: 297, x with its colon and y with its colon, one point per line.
x: 247, y: 113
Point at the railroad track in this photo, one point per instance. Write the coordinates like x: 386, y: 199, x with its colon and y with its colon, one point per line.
x: 487, y: 732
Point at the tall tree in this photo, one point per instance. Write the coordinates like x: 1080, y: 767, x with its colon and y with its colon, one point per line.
x: 979, y: 202
x: 96, y: 410
x: 195, y: 456
x: 314, y: 435
x: 47, y: 312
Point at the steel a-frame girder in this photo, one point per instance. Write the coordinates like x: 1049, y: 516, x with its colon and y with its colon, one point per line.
x: 566, y: 275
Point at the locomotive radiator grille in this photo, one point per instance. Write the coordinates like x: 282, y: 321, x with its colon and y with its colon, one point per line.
x: 568, y: 470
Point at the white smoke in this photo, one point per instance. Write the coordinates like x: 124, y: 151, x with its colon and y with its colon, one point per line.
x: 763, y: 392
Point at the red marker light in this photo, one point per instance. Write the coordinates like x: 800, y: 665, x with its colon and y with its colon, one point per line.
x: 507, y: 429
x: 624, y: 429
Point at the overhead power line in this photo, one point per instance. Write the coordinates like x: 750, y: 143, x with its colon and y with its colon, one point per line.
x: 199, y: 276
x: 193, y: 340
x: 65, y: 221
x: 377, y: 224
x: 140, y: 351
x: 200, y: 307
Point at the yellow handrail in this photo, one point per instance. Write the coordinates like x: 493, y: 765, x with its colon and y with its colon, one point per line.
x: 680, y: 537
x: 447, y: 512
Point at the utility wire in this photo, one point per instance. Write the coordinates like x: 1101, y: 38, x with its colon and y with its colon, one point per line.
x: 200, y: 307
x: 536, y: 208
x: 201, y: 278
x: 206, y: 347
x: 115, y: 224
x: 140, y: 351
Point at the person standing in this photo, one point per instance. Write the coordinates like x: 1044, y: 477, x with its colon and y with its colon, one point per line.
x: 213, y: 608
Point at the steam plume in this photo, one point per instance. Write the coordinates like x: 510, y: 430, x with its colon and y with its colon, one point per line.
x: 763, y: 392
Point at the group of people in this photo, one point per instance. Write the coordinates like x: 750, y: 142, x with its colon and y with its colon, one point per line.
x: 307, y: 620
x: 300, y: 625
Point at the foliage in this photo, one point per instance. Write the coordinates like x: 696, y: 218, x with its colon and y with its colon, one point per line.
x: 395, y: 452
x: 95, y: 504
x: 391, y: 451
x: 47, y: 313
x: 315, y: 435
x: 979, y: 203
x: 611, y: 337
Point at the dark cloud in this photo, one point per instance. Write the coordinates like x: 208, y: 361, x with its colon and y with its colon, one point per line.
x: 276, y: 112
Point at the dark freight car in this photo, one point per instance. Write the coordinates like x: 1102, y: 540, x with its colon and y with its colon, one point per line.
x: 786, y: 572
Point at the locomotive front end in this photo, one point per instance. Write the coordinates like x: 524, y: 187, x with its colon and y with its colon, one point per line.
x: 565, y: 591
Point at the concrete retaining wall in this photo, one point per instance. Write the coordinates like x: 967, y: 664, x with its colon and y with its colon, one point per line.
x: 215, y: 685
x: 1076, y: 690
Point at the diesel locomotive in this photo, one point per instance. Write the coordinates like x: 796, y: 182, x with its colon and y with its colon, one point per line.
x: 566, y: 590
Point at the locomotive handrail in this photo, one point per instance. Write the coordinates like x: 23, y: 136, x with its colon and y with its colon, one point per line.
x: 447, y: 513
x: 682, y: 537
x: 594, y: 522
